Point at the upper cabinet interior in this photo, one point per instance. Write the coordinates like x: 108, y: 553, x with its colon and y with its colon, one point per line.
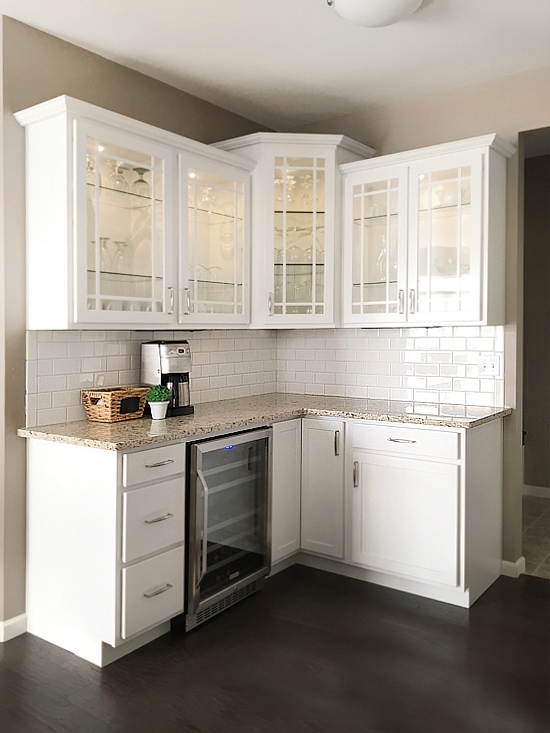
x: 296, y: 225
x: 424, y: 236
x: 129, y: 225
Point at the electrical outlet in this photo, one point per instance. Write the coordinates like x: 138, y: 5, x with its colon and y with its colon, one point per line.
x: 488, y: 366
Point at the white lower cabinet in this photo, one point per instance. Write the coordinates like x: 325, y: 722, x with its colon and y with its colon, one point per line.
x: 285, y: 489
x: 405, y: 516
x: 105, y: 554
x: 322, y: 521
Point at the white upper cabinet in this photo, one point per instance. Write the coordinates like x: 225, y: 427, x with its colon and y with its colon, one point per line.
x: 296, y: 225
x: 104, y: 207
x: 424, y: 236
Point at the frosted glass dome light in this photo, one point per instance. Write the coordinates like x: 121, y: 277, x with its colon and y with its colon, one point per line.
x: 375, y: 13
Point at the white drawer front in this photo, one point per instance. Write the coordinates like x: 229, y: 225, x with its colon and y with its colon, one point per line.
x: 152, y: 592
x: 152, y: 518
x: 154, y: 463
x: 407, y: 441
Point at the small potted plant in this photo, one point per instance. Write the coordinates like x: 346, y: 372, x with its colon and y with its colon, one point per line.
x: 158, y: 398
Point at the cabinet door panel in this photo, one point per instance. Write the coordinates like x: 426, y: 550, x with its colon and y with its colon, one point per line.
x: 124, y: 209
x: 445, y: 239
x: 322, y: 525
x: 375, y: 255
x: 285, y: 514
x: 215, y: 242
x: 405, y: 517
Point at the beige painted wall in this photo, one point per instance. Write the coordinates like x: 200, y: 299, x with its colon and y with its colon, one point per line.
x: 36, y: 67
x: 505, y: 106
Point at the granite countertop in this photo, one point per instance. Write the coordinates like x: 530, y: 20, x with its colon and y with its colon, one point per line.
x: 228, y: 415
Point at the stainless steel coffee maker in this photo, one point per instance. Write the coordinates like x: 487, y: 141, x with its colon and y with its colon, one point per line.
x: 169, y: 363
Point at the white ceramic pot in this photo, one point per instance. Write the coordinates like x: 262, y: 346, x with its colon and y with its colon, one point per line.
x: 158, y: 409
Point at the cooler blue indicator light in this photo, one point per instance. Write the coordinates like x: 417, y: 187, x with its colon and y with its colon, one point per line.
x: 229, y: 447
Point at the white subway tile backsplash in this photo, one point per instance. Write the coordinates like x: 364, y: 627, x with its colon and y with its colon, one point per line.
x: 411, y: 364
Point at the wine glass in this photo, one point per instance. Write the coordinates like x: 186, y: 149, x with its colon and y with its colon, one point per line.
x: 140, y: 187
x: 119, y: 255
x: 116, y: 180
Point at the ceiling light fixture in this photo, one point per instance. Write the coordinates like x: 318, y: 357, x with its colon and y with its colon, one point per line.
x: 375, y: 13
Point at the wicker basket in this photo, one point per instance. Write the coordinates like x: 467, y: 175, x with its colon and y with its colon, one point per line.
x: 111, y: 404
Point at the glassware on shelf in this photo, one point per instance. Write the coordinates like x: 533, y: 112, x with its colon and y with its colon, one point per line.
x: 105, y: 257
x: 140, y: 187
x: 91, y: 170
x: 119, y: 255
x: 116, y: 180
x: 294, y: 255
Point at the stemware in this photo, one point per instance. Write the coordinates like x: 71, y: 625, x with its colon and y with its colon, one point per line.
x: 141, y: 187
x: 116, y: 180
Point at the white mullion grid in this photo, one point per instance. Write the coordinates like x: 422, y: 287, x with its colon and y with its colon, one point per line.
x: 362, y: 303
x: 196, y: 246
x: 428, y: 253
x: 154, y: 239
x: 284, y: 212
x: 388, y: 185
x: 97, y: 249
x: 459, y: 241
x: 314, y: 239
x: 235, y: 246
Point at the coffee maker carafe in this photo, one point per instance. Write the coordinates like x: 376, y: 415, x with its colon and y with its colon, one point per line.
x: 169, y: 363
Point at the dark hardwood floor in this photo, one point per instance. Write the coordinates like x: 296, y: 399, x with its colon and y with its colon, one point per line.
x: 310, y: 653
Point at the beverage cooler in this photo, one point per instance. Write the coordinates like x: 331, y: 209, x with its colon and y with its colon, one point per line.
x: 228, y: 533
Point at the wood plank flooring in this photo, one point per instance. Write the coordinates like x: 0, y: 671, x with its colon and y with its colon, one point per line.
x: 310, y: 653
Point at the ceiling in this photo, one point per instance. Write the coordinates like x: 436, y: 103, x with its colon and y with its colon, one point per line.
x: 286, y: 63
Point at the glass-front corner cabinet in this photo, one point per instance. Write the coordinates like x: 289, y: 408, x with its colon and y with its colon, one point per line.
x: 424, y: 236
x: 215, y: 243
x: 295, y: 225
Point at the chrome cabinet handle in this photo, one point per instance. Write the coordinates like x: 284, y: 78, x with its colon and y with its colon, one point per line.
x: 336, y: 442
x: 158, y: 519
x: 187, y: 310
x: 401, y: 296
x: 171, y: 311
x: 270, y: 303
x: 204, y: 556
x: 412, y: 300
x: 355, y: 473
x: 160, y: 463
x: 159, y: 591
x: 400, y: 440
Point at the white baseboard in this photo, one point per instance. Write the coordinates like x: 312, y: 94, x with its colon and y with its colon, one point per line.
x: 513, y: 569
x: 13, y: 627
x: 542, y: 491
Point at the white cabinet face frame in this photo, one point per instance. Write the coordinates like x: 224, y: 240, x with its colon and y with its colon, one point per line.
x: 446, y: 239
x: 375, y: 250
x: 214, y: 243
x: 295, y: 230
x: 123, y: 266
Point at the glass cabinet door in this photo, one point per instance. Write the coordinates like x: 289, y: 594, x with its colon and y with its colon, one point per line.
x: 216, y: 283
x: 298, y: 285
x: 375, y: 269
x: 445, y: 235
x: 126, y: 220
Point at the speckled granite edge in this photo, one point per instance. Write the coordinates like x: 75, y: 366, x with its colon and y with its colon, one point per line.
x: 229, y: 415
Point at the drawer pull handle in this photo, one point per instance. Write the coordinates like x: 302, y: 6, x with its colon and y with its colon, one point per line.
x: 158, y: 519
x: 355, y: 473
x: 336, y: 442
x: 160, y: 463
x: 159, y: 591
x: 400, y: 440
